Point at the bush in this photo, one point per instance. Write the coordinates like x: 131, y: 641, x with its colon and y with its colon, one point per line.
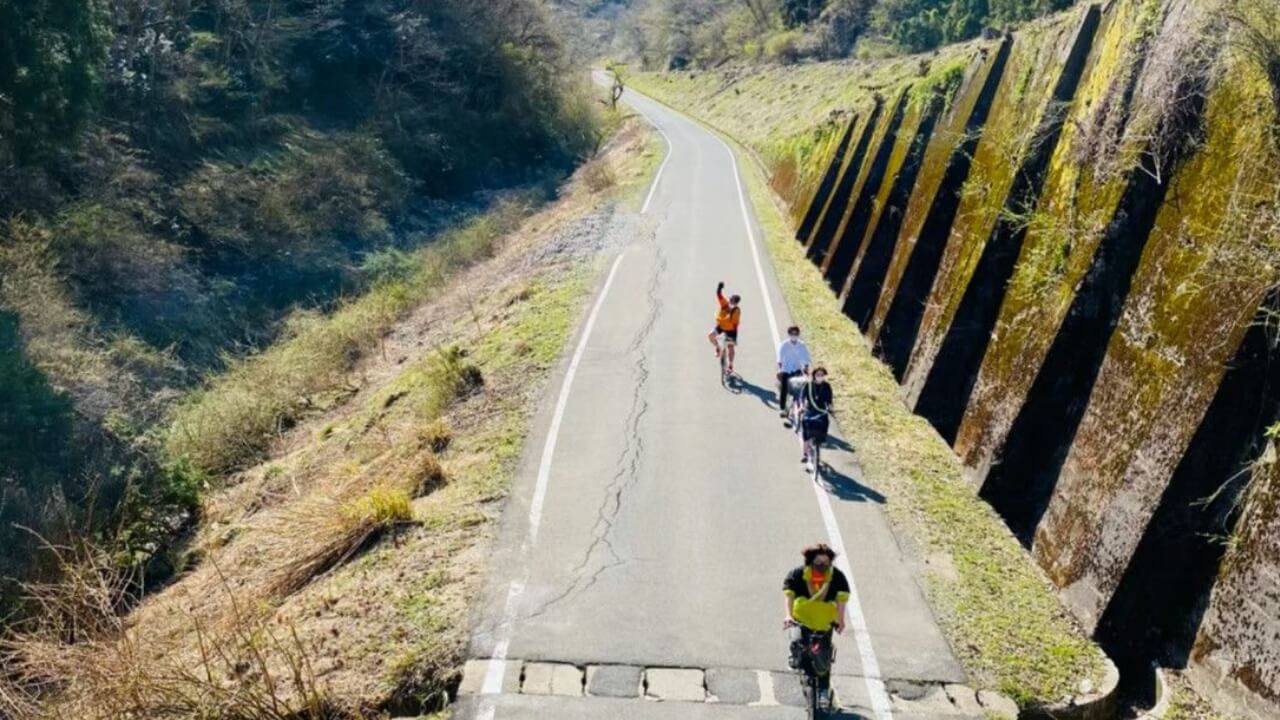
x: 228, y: 424
x: 783, y: 47
x: 299, y: 203
x: 129, y: 277
x: 323, y: 532
x: 388, y: 265
x: 49, y: 75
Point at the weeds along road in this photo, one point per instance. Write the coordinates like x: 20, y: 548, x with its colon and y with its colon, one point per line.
x: 655, y: 513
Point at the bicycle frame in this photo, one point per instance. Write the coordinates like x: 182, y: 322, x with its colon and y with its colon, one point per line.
x: 725, y: 343
x: 819, y: 655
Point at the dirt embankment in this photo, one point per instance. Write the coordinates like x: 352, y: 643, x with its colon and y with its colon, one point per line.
x: 336, y: 577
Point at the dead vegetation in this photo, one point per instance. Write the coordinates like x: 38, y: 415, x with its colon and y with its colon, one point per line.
x: 334, y: 579
x: 82, y: 647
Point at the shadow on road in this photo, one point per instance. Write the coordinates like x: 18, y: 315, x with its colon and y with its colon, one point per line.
x: 766, y: 396
x: 838, y: 443
x: 847, y: 488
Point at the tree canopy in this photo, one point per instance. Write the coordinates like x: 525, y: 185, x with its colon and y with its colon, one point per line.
x: 676, y: 33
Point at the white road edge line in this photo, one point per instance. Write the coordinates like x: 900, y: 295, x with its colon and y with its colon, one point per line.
x: 497, y: 669
x: 553, y: 434
x: 657, y: 178
x: 870, y: 666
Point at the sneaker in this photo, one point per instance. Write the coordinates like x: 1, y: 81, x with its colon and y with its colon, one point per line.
x: 782, y: 413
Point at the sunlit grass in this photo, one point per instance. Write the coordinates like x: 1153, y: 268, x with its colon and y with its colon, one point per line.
x: 1002, y: 618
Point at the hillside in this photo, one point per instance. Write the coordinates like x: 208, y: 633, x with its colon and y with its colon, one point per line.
x: 706, y: 34
x: 183, y: 184
x: 1062, y: 246
x: 334, y: 575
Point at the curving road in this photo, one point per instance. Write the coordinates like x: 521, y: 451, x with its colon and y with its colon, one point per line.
x: 651, y: 524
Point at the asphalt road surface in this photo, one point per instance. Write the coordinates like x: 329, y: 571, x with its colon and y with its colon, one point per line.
x: 657, y: 512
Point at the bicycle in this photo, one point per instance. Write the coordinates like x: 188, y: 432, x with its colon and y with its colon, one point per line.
x: 812, y: 445
x: 816, y: 658
x: 727, y: 377
x: 796, y: 398
x: 814, y: 451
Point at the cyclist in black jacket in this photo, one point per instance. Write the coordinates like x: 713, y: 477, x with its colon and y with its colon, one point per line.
x: 818, y: 401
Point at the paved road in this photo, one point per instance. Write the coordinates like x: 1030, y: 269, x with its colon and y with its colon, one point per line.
x: 655, y: 529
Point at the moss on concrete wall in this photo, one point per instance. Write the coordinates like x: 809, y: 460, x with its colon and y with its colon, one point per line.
x: 1024, y: 94
x: 1168, y: 103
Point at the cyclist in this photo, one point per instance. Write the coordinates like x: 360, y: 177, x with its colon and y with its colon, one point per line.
x: 726, y: 323
x: 816, y: 595
x: 817, y: 403
x: 793, y: 361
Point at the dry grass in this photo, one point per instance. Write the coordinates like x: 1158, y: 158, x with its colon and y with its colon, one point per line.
x: 231, y: 423
x: 324, y: 532
x: 337, y: 577
x: 82, y: 649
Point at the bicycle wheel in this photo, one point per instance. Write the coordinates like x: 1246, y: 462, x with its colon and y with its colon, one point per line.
x: 815, y: 456
x: 814, y: 704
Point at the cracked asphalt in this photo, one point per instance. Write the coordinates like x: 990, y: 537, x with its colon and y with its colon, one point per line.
x: 674, y: 507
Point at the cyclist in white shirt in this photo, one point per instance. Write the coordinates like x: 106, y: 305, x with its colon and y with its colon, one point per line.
x: 793, y: 360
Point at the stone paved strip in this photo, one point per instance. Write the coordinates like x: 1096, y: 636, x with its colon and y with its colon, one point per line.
x: 616, y: 681
x: 912, y: 700
x: 552, y: 679
x: 787, y: 689
x: 474, y: 672
x: 730, y: 685
x: 675, y: 684
x: 851, y: 694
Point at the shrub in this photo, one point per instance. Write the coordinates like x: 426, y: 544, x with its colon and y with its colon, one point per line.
x: 598, y: 176
x: 48, y: 74
x: 323, y: 532
x: 783, y: 47
x: 387, y: 265
x: 298, y: 203
x: 130, y: 277
x: 229, y: 423
x: 382, y: 507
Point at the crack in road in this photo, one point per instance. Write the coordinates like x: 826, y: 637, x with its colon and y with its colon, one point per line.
x: 627, y: 467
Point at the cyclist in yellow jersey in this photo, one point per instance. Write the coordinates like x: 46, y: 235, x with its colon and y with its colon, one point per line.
x: 816, y: 595
x: 727, y: 320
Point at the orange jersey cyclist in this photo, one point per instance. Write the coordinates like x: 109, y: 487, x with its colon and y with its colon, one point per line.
x: 727, y: 319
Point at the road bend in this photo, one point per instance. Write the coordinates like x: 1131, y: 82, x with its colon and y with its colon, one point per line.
x: 656, y: 513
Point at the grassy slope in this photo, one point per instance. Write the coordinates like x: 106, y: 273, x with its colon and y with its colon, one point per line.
x: 777, y: 110
x: 1001, y: 616
x: 388, y: 624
